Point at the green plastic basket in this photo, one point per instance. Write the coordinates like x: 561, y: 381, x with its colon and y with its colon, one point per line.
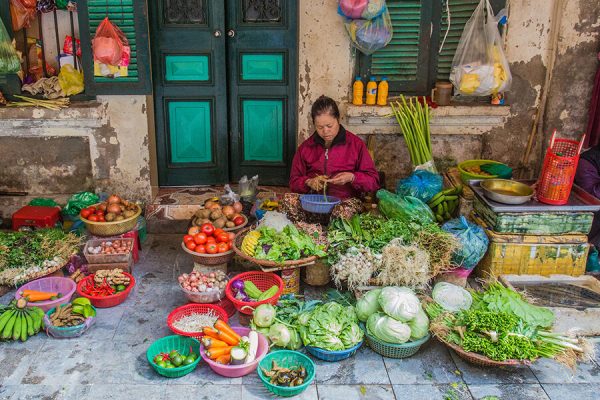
x: 466, y: 176
x: 287, y: 359
x: 392, y: 350
x: 182, y: 345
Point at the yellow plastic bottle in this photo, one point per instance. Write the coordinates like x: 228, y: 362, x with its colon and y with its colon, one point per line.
x: 357, y: 91
x: 371, y: 91
x: 382, y: 92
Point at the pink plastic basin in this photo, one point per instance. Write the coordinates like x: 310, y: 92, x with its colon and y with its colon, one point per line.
x: 65, y: 286
x: 235, y: 371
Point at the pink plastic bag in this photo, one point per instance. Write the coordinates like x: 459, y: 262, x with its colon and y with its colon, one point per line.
x: 108, y: 43
x: 353, y: 8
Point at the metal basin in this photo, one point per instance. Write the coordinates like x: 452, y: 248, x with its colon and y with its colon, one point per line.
x: 506, y: 191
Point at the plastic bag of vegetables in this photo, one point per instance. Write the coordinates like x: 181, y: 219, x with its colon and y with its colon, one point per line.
x: 405, y: 208
x: 421, y: 184
x: 473, y: 242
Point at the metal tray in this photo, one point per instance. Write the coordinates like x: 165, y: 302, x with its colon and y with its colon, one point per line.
x: 579, y: 201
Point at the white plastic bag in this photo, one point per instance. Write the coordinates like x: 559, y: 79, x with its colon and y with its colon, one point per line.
x: 479, y: 67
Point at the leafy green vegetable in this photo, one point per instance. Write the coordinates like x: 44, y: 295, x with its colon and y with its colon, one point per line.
x: 290, y: 244
x: 331, y: 326
x: 400, y: 303
x: 498, y: 298
x: 388, y: 329
x: 368, y: 304
x: 419, y: 326
x: 451, y: 297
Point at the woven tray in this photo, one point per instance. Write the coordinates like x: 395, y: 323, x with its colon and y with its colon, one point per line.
x: 266, y: 265
x: 209, y: 259
x: 112, y: 228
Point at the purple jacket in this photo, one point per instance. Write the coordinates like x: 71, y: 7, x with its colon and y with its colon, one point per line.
x: 588, y: 178
x: 347, y: 154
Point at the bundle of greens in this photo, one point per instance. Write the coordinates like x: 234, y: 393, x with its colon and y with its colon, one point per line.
x: 413, y: 118
x: 28, y: 255
x: 502, y: 325
x: 289, y: 244
x: 330, y: 326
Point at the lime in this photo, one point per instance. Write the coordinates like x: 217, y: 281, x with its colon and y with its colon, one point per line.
x: 177, y: 360
x: 120, y: 288
x: 162, y: 364
x: 173, y: 353
x: 189, y: 360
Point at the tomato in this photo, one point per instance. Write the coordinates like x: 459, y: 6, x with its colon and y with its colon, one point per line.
x: 231, y: 235
x: 211, y: 239
x: 92, y: 209
x: 190, y: 245
x: 211, y: 248
x: 100, y: 213
x: 85, y: 213
x: 188, y: 238
x: 223, y: 237
x: 208, y: 229
x: 238, y: 220
x: 217, y: 232
x: 93, y: 218
x: 101, y: 218
x: 193, y: 230
x: 200, y: 238
x: 200, y: 249
x: 222, y: 247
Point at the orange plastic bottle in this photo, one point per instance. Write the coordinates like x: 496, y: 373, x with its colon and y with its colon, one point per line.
x: 357, y: 91
x: 371, y: 91
x: 382, y: 92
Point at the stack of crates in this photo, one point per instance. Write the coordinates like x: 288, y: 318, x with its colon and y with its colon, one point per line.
x: 536, y: 243
x: 122, y: 261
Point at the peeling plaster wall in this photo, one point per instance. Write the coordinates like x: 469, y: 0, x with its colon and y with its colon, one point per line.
x: 326, y: 60
x: 114, y: 156
x: 574, y: 70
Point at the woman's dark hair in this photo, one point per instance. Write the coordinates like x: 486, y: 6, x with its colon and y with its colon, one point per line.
x: 325, y: 105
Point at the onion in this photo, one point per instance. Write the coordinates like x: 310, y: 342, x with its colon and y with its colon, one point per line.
x: 114, y: 208
x: 228, y: 211
x: 237, y: 206
x: 209, y: 204
x: 113, y: 198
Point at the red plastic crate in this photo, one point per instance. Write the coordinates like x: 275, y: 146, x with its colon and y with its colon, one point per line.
x: 36, y: 217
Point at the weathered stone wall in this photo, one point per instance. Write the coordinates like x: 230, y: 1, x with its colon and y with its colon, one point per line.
x: 99, y: 145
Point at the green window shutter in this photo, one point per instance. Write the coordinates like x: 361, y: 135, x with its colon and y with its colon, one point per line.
x: 131, y: 17
x: 404, y: 60
x: 460, y: 12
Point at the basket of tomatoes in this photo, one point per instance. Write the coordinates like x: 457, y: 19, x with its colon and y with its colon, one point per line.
x: 208, y: 245
x: 113, y: 217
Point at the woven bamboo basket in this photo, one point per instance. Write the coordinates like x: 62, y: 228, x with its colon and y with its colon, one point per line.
x: 271, y: 265
x: 209, y: 259
x: 112, y: 228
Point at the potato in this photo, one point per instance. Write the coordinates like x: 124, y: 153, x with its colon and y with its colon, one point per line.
x: 128, y: 213
x: 229, y: 224
x: 119, y: 218
x: 215, y: 215
x: 110, y: 217
x: 220, y: 223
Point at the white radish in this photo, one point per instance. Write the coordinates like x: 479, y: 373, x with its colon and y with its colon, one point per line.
x: 253, y: 347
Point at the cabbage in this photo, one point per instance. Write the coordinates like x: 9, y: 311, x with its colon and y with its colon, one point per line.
x: 264, y: 315
x: 295, y: 342
x: 388, y: 329
x: 451, y: 297
x: 351, y: 335
x: 368, y: 305
x: 279, y: 335
x: 419, y: 326
x: 400, y: 303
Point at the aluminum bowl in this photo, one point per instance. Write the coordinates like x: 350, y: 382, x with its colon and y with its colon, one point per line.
x: 506, y: 191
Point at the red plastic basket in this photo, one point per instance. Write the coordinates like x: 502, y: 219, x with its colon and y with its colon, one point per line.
x: 263, y: 281
x: 226, y: 305
x: 105, y: 301
x: 195, y: 308
x: 558, y: 172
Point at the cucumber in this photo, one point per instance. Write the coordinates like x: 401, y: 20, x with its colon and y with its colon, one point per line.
x: 252, y: 291
x: 270, y: 292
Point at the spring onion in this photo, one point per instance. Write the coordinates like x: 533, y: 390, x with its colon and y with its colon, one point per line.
x: 413, y: 118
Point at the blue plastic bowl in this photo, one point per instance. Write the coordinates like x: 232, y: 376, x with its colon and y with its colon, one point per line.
x: 316, y: 203
x: 333, y: 356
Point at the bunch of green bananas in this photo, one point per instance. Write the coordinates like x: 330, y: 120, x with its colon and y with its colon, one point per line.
x: 444, y: 203
x: 19, y: 322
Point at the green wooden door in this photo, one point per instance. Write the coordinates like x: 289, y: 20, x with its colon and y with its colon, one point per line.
x: 262, y: 65
x: 224, y: 76
x: 190, y: 103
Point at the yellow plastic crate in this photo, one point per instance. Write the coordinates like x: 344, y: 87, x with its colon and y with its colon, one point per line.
x: 533, y: 254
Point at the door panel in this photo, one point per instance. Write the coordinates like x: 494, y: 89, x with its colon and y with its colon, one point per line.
x: 190, y: 91
x: 262, y: 49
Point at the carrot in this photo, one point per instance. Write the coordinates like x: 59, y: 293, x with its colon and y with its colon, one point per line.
x: 227, y: 338
x: 34, y: 295
x: 212, y: 342
x: 224, y: 359
x: 213, y: 353
x: 31, y: 291
x: 210, y: 332
x: 220, y: 325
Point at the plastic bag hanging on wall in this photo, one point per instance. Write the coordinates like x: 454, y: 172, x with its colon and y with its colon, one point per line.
x: 108, y: 43
x: 370, y: 35
x: 9, y: 59
x: 22, y: 13
x: 361, y: 9
x: 479, y: 67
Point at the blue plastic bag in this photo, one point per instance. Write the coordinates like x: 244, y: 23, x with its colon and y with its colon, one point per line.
x: 473, y: 240
x: 420, y: 184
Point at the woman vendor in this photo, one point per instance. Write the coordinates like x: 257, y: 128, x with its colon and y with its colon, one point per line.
x: 588, y: 178
x: 332, y: 157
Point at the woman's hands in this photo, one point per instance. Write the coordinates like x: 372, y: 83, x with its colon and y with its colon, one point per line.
x: 342, y: 178
x: 317, y: 183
